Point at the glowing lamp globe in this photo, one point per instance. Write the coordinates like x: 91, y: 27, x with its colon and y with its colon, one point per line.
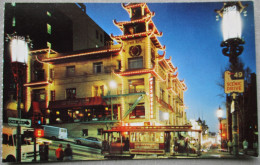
x: 19, y: 50
x: 231, y: 24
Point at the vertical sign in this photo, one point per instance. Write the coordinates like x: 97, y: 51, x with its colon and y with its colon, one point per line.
x: 151, y: 97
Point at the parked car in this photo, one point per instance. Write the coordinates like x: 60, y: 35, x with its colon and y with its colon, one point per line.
x: 89, y: 141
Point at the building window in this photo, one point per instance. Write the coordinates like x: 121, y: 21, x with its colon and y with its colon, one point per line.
x: 84, y: 132
x: 13, y: 22
x: 70, y: 71
x: 95, y: 91
x: 70, y: 93
x: 97, y: 67
x: 96, y: 34
x: 135, y: 63
x: 48, y: 45
x: 51, y: 74
x: 39, y: 75
x: 102, y: 90
x: 52, y: 95
x: 99, y: 131
x: 38, y: 95
x: 161, y: 94
x: 101, y: 38
x: 136, y: 86
x: 48, y: 28
x: 138, y: 112
x: 48, y: 14
x: 119, y: 65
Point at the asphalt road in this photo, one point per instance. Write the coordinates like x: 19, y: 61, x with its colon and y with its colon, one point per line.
x: 79, y: 152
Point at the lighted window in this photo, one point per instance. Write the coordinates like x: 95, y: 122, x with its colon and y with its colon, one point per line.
x: 70, y: 71
x: 38, y: 95
x: 136, y: 86
x: 135, y: 63
x: 13, y: 22
x: 97, y: 67
x: 138, y: 112
x: 48, y: 13
x: 48, y: 44
x: 48, y: 28
x: 70, y: 93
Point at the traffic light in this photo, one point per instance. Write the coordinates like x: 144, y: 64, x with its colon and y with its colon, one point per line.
x: 39, y: 132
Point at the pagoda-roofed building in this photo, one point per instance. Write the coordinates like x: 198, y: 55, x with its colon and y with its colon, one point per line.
x: 125, y: 84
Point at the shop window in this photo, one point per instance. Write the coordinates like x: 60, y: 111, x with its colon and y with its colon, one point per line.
x: 135, y: 63
x: 70, y: 71
x: 136, y: 85
x: 70, y: 93
x: 99, y: 131
x: 84, y: 132
x: 97, y: 67
x: 138, y: 112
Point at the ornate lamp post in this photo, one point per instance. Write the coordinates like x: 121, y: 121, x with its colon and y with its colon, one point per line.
x: 220, y: 115
x: 19, y: 59
x: 232, y: 48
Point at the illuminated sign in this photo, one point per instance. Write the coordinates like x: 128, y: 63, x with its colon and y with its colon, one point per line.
x: 234, y: 85
x: 151, y: 97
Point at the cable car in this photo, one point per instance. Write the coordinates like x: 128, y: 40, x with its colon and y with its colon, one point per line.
x: 128, y: 141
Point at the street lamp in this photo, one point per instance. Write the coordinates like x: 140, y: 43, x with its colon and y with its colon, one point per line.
x: 220, y: 115
x: 232, y: 48
x: 19, y: 59
x: 112, y: 85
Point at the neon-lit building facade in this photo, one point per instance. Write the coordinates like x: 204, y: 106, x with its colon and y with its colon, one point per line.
x: 75, y: 85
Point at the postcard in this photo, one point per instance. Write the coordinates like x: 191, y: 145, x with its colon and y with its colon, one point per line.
x: 129, y: 81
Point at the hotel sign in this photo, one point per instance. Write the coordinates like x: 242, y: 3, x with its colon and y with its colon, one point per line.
x: 234, y: 82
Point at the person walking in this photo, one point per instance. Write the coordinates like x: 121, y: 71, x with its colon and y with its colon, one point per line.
x: 59, y: 153
x: 230, y: 146
x: 68, y: 153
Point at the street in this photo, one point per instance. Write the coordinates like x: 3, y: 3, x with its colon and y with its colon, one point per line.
x: 88, y: 153
x: 79, y: 152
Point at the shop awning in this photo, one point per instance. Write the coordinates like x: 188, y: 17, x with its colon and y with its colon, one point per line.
x: 76, y: 103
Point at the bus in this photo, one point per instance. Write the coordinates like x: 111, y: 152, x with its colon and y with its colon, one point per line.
x: 128, y: 141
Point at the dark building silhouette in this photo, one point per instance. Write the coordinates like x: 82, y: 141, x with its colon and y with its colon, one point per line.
x: 63, y: 27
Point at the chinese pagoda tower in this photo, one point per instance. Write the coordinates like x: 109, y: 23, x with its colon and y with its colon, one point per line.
x: 145, y: 72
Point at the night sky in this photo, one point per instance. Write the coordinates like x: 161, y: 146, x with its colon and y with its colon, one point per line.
x: 192, y: 37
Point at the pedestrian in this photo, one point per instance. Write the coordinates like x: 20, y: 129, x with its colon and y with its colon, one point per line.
x: 230, y: 146
x: 68, y: 153
x: 245, y: 146
x: 59, y: 153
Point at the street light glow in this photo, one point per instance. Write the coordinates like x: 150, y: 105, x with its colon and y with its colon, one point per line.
x: 219, y: 113
x: 19, y: 50
x: 232, y: 24
x: 113, y: 84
